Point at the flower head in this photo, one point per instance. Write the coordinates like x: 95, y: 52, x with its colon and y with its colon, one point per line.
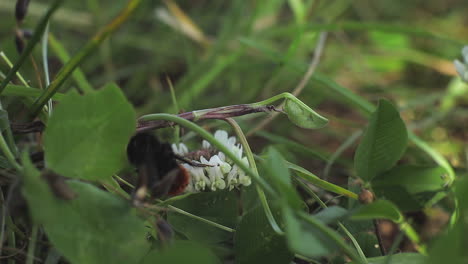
x: 462, y: 66
x: 180, y: 149
x: 199, y: 180
x: 218, y: 172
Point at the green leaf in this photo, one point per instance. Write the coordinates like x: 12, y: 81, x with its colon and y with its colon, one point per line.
x: 402, y: 258
x: 368, y: 242
x: 410, y: 187
x: 96, y: 227
x: 4, y: 163
x: 381, y: 209
x: 400, y: 197
x: 24, y: 91
x: 452, y: 247
x: 276, y: 170
x: 181, y: 252
x: 302, y: 115
x: 315, y: 180
x: 305, y: 239
x: 4, y: 120
x: 219, y: 207
x: 331, y: 214
x: 414, y: 178
x: 256, y: 242
x: 86, y: 136
x: 363, y: 231
x: 383, y: 142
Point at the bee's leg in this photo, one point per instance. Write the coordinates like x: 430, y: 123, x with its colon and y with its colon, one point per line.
x: 191, y: 162
x: 165, y: 232
x: 162, y: 187
x: 141, y: 189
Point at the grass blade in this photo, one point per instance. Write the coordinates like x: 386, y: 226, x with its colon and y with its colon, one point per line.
x: 31, y: 44
x: 64, y: 57
x: 87, y: 50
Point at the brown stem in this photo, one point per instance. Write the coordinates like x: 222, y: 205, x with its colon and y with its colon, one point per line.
x: 213, y: 113
x: 383, y: 251
x: 30, y: 127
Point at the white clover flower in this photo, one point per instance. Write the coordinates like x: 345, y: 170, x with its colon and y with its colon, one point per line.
x: 222, y: 156
x: 219, y: 172
x: 245, y: 180
x: 222, y: 136
x: 231, y: 179
x: 206, y: 144
x: 225, y: 167
x: 242, y: 178
x: 219, y: 184
x: 465, y: 53
x: 179, y: 149
x: 215, y: 171
x: 199, y: 180
x: 462, y: 66
x: 237, y: 150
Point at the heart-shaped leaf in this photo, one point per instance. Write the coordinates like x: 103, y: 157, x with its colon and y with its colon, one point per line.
x: 86, y: 136
x: 95, y: 227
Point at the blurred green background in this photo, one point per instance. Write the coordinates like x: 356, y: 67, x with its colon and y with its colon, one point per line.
x: 231, y: 52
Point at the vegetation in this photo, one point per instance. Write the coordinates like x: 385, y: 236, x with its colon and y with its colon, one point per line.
x: 346, y: 131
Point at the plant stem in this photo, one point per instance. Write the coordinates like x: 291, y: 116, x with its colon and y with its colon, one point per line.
x: 436, y: 156
x: 182, y: 212
x: 394, y: 247
x: 383, y: 251
x: 82, y: 84
x: 271, y: 100
x: 332, y: 235
x: 211, y: 113
x: 413, y: 236
x: 345, y: 230
x: 176, y: 106
x: 32, y: 244
x: 45, y: 65
x: 31, y: 44
x: 253, y: 165
x: 26, y: 101
x: 18, y: 75
x: 8, y: 154
x: 315, y: 180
